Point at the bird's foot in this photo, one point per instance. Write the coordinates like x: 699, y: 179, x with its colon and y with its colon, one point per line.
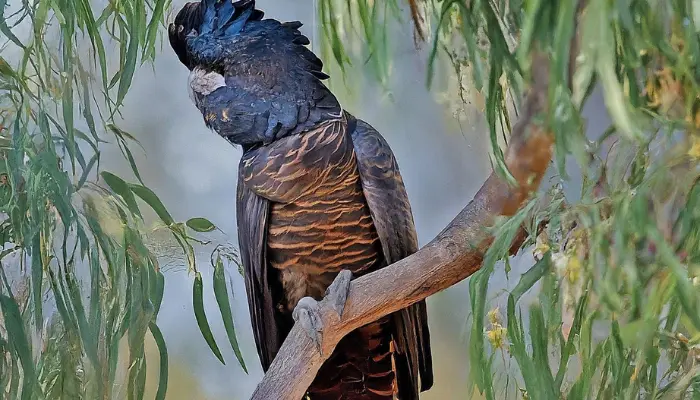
x: 308, y: 311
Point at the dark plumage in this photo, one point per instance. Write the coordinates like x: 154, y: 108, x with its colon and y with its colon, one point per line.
x: 318, y: 191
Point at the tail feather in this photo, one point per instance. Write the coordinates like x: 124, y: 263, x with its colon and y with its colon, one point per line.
x: 361, y: 367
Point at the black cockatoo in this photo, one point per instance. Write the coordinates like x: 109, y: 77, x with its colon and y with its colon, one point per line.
x: 319, y: 192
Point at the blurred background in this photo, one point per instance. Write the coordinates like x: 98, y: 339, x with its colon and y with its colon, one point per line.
x: 443, y: 152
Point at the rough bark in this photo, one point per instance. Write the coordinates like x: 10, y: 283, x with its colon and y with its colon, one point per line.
x: 455, y: 254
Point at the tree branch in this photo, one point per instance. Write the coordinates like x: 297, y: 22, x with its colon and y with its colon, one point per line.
x: 455, y: 254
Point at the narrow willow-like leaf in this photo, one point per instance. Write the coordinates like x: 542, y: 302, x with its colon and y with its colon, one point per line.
x: 86, y: 107
x: 328, y: 13
x: 4, y: 29
x: 687, y: 294
x: 532, y: 17
x: 121, y: 188
x: 67, y: 100
x: 122, y: 137
x: 18, y: 337
x: 493, y: 100
x: 95, y: 294
x: 139, y: 318
x: 37, y: 282
x: 568, y: 348
x: 129, y: 65
x: 518, y: 349
x: 157, y: 282
x: 152, y: 29
x: 163, y: 365
x: 86, y: 172
x: 153, y: 201
x: 540, y: 353
x: 186, y: 248
x: 89, y: 341
x: 446, y: 7
x: 200, y: 315
x: 13, y: 391
x: 478, y: 289
x: 505, y: 233
x: 469, y: 33
x: 222, y: 300
x: 602, y: 40
x: 532, y: 276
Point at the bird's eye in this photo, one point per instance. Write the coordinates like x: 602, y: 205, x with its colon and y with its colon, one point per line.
x: 180, y: 28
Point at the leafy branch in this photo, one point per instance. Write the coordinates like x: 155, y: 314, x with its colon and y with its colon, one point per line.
x: 77, y: 270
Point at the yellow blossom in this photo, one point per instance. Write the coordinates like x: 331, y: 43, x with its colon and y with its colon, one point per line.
x: 493, y: 316
x: 497, y: 336
x: 540, y: 249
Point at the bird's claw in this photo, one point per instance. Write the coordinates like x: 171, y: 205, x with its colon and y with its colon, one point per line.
x: 337, y: 292
x: 308, y: 311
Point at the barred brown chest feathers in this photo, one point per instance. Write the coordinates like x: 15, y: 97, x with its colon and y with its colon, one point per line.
x: 310, y: 205
x: 319, y: 219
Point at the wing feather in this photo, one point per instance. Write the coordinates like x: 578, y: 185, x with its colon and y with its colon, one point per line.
x: 252, y: 213
x: 391, y: 213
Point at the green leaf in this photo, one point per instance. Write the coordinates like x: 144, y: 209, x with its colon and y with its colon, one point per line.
x: 37, y: 282
x: 157, y: 282
x: 152, y: 29
x: 446, y: 7
x: 83, y: 177
x: 95, y: 292
x: 533, y: 13
x: 517, y: 348
x: 505, y: 234
x: 200, y: 224
x: 163, y: 354
x: 532, y: 276
x: 185, y: 246
x: 478, y: 289
x: 153, y: 201
x: 225, y: 309
x: 200, y: 315
x: 4, y: 29
x: 18, y: 337
x: 469, y: 34
x: 493, y: 100
x: 90, y: 342
x: 122, y: 137
x: 601, y: 40
x: 540, y: 353
x: 121, y: 188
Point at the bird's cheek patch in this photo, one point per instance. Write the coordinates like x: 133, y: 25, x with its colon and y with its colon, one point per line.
x: 205, y: 82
